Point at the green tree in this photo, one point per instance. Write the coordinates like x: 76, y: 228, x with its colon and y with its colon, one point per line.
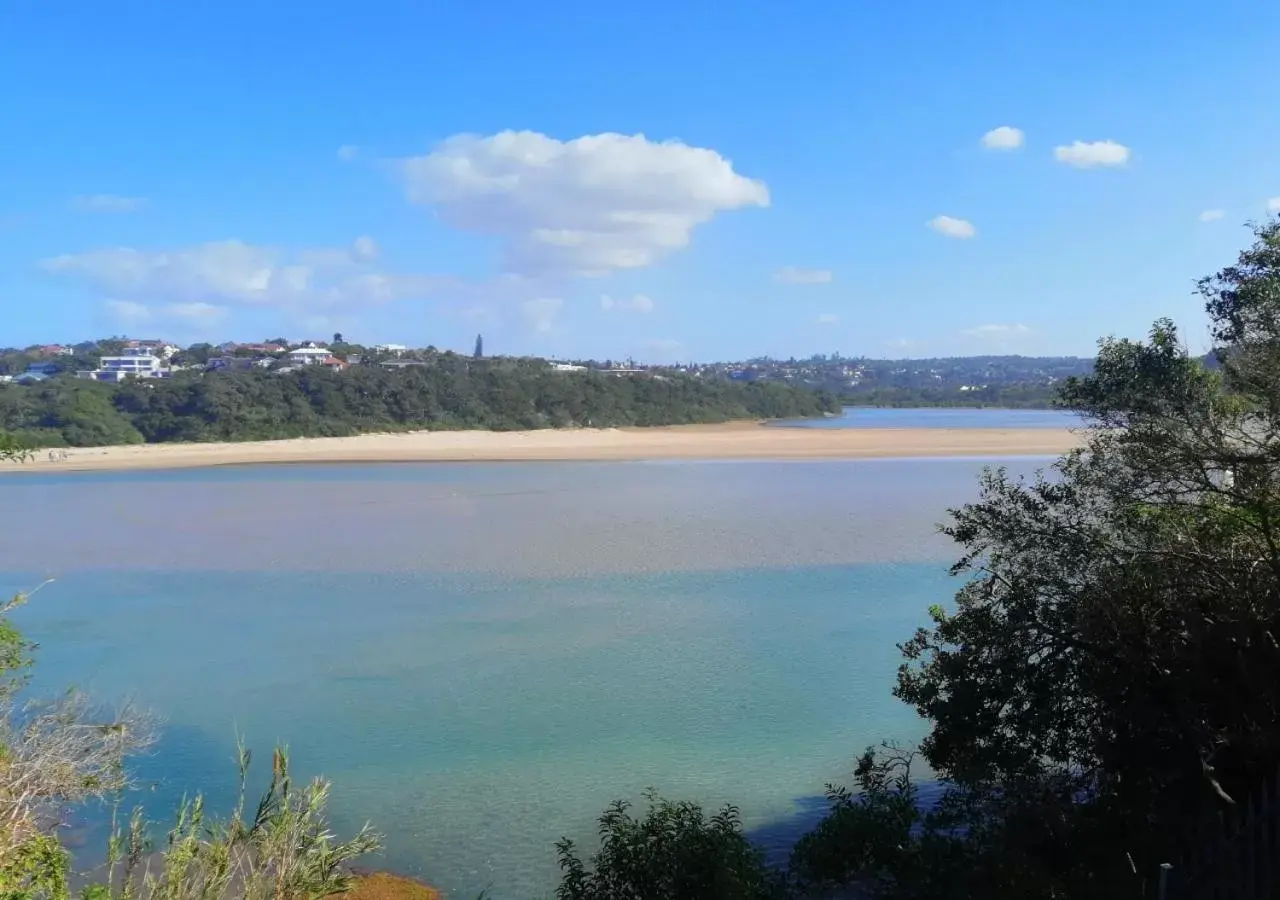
x: 1106, y: 680
x: 675, y: 852
x: 12, y: 449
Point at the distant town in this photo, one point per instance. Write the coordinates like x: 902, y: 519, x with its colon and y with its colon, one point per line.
x: 975, y: 380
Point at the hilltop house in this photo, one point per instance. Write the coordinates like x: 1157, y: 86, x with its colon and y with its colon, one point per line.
x: 138, y: 362
x: 309, y: 356
x: 160, y: 349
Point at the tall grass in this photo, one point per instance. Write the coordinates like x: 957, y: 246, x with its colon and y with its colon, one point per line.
x: 284, y: 850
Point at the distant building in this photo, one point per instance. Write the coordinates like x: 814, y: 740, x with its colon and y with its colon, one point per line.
x: 479, y: 351
x: 160, y: 349
x: 238, y: 363
x: 133, y: 362
x: 394, y: 349
x: 54, y: 350
x: 42, y: 369
x: 308, y: 356
x: 333, y: 363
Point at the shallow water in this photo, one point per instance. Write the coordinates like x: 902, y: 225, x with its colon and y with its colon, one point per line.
x: 483, y: 656
x: 940, y: 417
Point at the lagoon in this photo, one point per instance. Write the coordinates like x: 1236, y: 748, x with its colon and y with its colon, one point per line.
x: 482, y: 656
x: 940, y: 417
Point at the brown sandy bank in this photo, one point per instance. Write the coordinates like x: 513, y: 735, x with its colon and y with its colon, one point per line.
x: 384, y: 886
x: 740, y: 440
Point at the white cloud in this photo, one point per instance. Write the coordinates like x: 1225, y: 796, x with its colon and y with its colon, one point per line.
x: 954, y: 228
x: 828, y: 319
x: 195, y: 310
x: 1091, y: 155
x: 1211, y: 215
x: 108, y: 203
x: 365, y: 249
x: 637, y: 304
x: 233, y: 272
x: 541, y: 313
x: 128, y: 310
x: 587, y: 206
x: 1273, y: 205
x: 796, y: 275
x: 1006, y: 137
x: 996, y: 332
x: 133, y: 312
x: 348, y: 152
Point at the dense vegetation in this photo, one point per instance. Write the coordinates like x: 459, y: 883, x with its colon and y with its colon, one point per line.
x: 1011, y: 396
x: 1103, y: 692
x: 449, y: 393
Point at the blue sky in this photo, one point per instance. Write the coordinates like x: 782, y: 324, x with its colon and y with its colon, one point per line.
x: 673, y: 180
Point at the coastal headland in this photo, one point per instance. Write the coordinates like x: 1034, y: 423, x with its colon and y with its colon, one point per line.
x: 739, y: 440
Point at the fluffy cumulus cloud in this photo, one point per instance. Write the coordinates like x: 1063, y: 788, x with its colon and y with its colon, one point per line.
x: 1092, y: 154
x: 108, y: 203
x: 797, y: 275
x: 541, y: 312
x: 952, y: 227
x: 1006, y: 137
x: 637, y: 304
x: 1211, y: 215
x: 586, y: 206
x: 829, y: 319
x: 192, y: 281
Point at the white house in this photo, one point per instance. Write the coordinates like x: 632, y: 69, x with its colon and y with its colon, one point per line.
x: 396, y: 349
x: 308, y: 356
x: 138, y: 362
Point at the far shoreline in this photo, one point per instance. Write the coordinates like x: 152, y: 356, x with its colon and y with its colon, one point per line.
x: 729, y: 441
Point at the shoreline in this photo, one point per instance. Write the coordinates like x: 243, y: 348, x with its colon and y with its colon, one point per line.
x: 731, y: 441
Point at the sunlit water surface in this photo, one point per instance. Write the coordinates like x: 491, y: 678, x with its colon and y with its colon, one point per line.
x: 481, y: 657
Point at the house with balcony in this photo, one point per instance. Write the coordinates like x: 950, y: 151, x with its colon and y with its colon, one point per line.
x: 308, y: 356
x: 135, y: 362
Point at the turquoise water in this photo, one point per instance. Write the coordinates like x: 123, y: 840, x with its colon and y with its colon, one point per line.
x: 873, y: 417
x: 482, y: 657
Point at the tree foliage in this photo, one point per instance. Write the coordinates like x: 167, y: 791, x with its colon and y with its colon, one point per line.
x: 674, y: 852
x: 12, y: 449
x: 450, y: 392
x: 1109, y: 676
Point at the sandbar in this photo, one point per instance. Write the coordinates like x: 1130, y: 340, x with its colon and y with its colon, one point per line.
x: 737, y: 440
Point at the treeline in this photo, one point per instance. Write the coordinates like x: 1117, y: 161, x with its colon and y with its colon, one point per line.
x: 1014, y: 396
x: 450, y: 393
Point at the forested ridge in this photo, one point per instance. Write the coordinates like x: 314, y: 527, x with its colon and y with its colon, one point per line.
x: 449, y: 393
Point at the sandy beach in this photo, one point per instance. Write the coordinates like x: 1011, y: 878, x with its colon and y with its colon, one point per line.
x: 744, y: 440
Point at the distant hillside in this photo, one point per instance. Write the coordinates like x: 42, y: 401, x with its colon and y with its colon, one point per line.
x: 1009, y: 381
